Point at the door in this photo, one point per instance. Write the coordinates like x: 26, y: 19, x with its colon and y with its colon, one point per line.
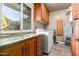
x: 59, y: 31
x: 59, y: 27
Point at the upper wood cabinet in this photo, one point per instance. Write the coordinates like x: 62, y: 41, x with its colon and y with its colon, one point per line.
x: 37, y: 12
x: 45, y: 14
x: 75, y: 10
x: 41, y: 13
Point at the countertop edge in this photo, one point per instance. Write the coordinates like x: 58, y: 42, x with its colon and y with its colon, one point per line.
x: 19, y: 40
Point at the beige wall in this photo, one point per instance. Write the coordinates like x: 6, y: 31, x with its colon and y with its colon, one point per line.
x: 53, y: 16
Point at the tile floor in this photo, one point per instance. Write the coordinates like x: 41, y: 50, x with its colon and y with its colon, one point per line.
x: 60, y: 50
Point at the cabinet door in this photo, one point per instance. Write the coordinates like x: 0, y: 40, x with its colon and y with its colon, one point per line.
x: 31, y: 47
x: 77, y: 48
x: 75, y: 10
x: 26, y: 48
x: 37, y: 12
x: 74, y: 47
x: 13, y: 50
x: 41, y: 13
x: 45, y: 15
x: 39, y: 46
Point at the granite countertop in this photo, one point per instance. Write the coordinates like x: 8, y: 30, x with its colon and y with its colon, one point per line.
x: 6, y: 39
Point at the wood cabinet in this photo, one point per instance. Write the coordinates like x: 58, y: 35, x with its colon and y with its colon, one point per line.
x: 39, y: 43
x: 37, y: 12
x: 29, y: 47
x: 74, y: 46
x: 75, y: 10
x: 74, y: 42
x: 34, y: 46
x: 41, y: 13
x: 13, y: 50
x: 45, y: 14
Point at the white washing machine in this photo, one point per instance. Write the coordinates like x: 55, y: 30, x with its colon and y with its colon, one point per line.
x: 48, y: 40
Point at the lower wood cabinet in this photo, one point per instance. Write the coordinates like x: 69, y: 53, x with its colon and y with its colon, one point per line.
x: 13, y: 50
x: 39, y: 45
x: 34, y: 46
x: 29, y: 47
x: 74, y: 47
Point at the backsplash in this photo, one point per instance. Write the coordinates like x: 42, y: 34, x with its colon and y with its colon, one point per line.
x: 40, y: 25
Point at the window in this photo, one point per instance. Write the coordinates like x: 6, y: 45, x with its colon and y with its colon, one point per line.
x: 16, y: 16
x: 11, y: 19
x: 26, y: 17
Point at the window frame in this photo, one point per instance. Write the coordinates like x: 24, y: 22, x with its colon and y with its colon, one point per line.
x: 30, y: 5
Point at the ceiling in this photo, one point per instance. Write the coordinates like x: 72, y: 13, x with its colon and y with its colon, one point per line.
x: 57, y: 6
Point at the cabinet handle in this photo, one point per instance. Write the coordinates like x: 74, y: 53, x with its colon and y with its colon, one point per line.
x: 75, y: 18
